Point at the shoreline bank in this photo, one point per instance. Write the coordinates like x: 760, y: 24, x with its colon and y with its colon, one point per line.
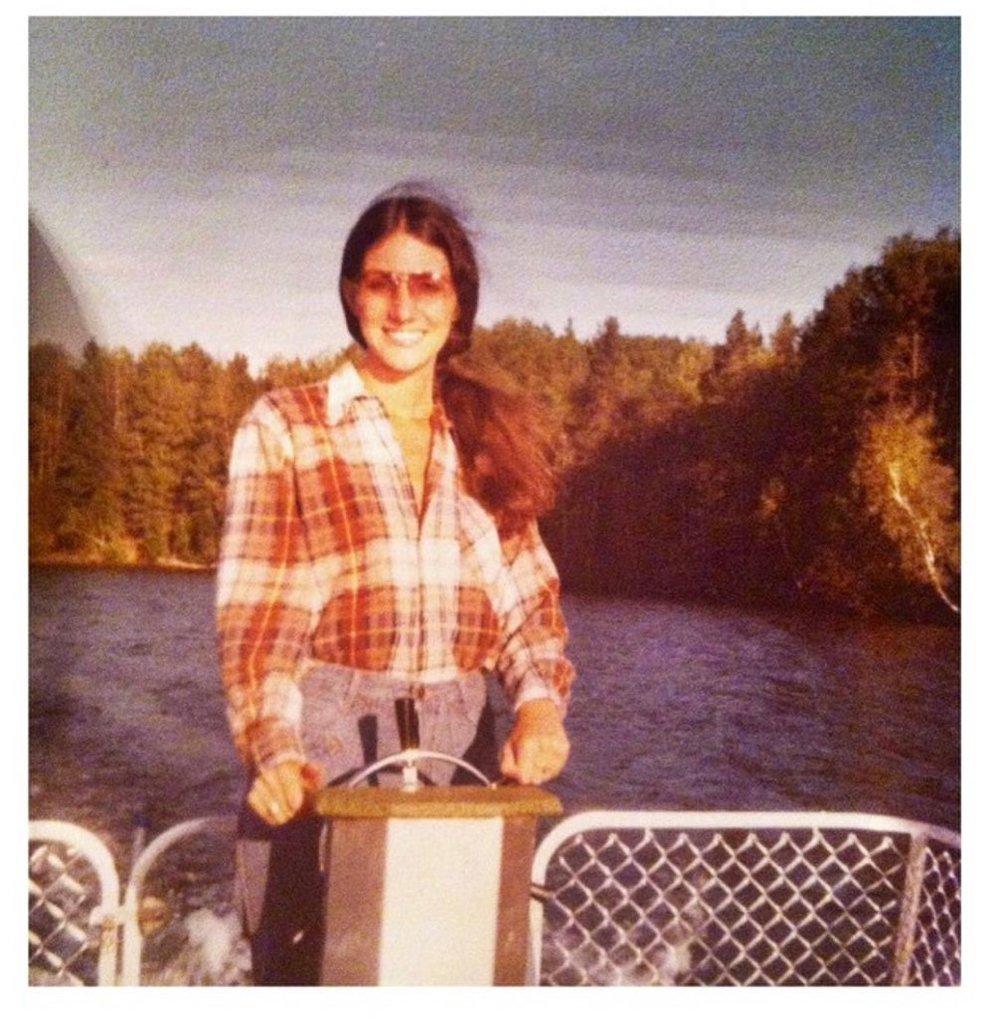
x: 89, y: 562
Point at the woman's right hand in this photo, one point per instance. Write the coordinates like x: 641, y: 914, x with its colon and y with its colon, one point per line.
x: 279, y: 791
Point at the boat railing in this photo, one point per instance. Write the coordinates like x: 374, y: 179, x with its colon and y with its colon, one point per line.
x: 622, y: 898
x: 151, y: 854
x: 746, y: 899
x: 73, y: 906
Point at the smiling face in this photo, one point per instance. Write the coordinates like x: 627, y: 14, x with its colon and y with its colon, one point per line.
x: 406, y: 305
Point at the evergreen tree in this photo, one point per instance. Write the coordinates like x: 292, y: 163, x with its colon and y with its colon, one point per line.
x: 90, y: 475
x: 161, y: 430
x: 785, y: 338
x: 51, y: 394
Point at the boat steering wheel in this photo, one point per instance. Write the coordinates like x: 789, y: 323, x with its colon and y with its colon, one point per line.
x: 409, y: 759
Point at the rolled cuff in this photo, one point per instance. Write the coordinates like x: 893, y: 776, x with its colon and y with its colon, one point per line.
x: 272, y: 741
x: 273, y: 735
x: 534, y: 687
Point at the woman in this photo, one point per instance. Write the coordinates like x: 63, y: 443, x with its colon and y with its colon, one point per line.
x: 381, y: 541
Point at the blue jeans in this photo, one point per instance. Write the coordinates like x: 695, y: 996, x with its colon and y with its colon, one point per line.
x: 348, y: 722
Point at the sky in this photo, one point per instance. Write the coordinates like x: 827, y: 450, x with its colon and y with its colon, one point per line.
x: 197, y: 177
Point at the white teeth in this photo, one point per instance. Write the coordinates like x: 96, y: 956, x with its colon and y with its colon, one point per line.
x: 405, y: 338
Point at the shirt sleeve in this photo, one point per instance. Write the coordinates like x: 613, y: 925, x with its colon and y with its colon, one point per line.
x: 532, y: 661
x: 266, y: 593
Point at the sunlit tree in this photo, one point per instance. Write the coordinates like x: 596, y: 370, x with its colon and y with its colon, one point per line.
x: 912, y: 492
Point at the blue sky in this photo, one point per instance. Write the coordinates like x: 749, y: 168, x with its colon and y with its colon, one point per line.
x: 198, y: 176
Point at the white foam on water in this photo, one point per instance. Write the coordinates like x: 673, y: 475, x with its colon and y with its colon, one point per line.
x: 628, y: 963
x: 215, y: 953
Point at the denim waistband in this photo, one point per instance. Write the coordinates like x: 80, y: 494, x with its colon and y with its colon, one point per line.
x: 383, y: 685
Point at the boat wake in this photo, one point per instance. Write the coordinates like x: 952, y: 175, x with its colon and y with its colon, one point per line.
x: 212, y: 951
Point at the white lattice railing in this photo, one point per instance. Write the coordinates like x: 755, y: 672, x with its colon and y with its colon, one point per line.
x: 630, y: 897
x: 746, y: 899
x: 72, y: 906
x: 83, y: 931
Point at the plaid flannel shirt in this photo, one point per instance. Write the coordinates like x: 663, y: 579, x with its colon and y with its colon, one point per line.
x: 324, y: 559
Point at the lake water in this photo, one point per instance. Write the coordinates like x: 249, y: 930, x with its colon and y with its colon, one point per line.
x: 677, y: 706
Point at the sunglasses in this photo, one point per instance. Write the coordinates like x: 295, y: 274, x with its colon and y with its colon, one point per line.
x: 423, y: 286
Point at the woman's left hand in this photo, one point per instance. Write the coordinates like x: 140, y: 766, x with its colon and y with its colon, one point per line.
x: 537, y: 748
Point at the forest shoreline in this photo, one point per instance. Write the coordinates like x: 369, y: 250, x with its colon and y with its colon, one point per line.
x: 65, y: 559
x: 817, y: 467
x: 803, y: 604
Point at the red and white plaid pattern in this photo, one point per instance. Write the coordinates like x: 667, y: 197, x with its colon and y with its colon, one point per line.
x: 324, y: 559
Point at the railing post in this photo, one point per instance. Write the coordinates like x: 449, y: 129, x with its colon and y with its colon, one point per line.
x: 131, y: 940
x: 131, y: 970
x: 908, y: 908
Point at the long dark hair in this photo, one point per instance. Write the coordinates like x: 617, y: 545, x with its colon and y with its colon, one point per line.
x: 503, y: 445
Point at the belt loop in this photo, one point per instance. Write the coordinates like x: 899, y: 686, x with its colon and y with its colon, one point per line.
x: 353, y: 681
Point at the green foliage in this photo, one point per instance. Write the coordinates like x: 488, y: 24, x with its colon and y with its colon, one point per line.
x: 912, y: 493
x: 785, y: 338
x: 534, y: 358
x: 128, y: 456
x: 281, y: 373
x: 633, y: 386
x: 820, y: 465
x: 879, y: 384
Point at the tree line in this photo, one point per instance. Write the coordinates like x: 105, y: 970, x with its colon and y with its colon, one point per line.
x: 816, y: 465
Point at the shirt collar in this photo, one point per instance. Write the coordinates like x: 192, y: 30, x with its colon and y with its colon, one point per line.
x: 342, y: 388
x: 345, y: 385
